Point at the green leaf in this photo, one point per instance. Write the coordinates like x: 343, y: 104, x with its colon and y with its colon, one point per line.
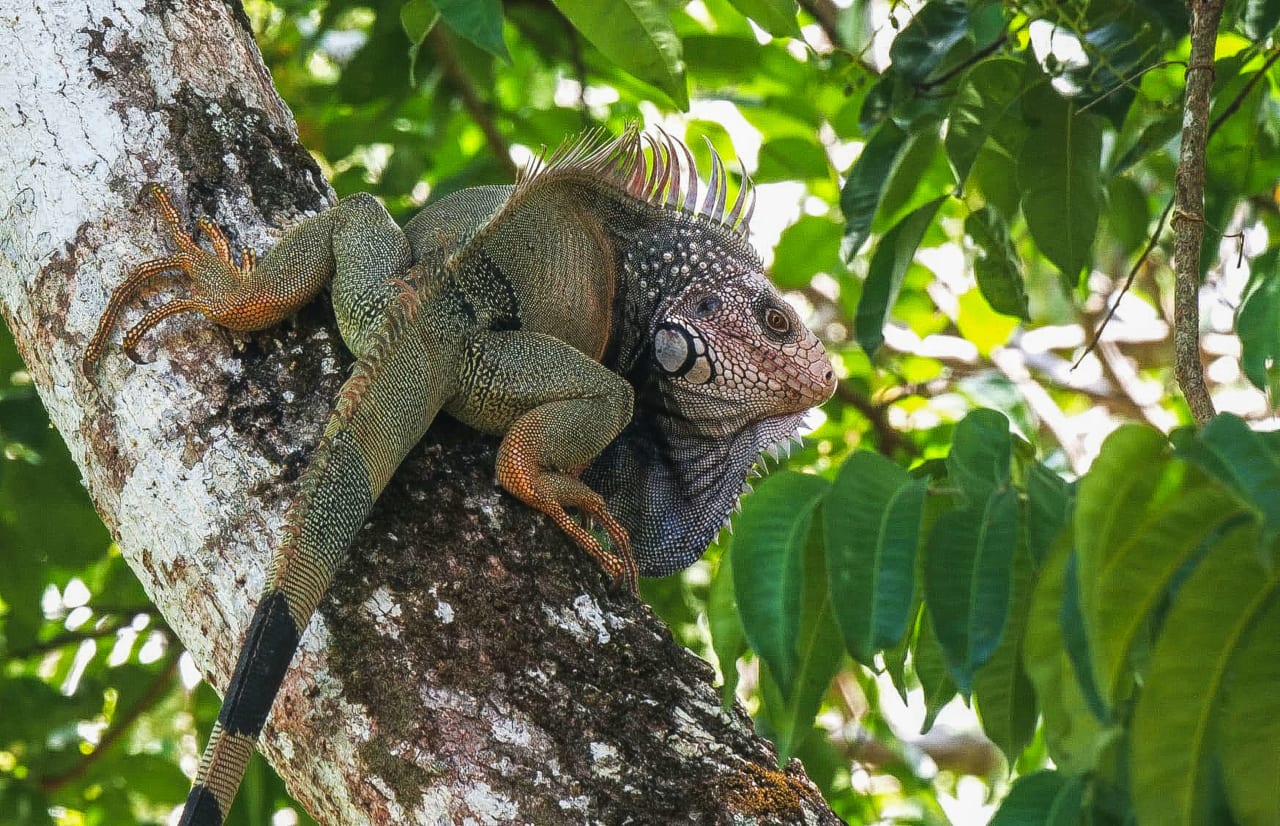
x: 777, y: 17
x: 1128, y: 214
x: 888, y: 267
x: 967, y: 581
x: 860, y: 195
x: 1005, y: 697
x: 479, y: 21
x: 931, y: 670
x: 871, y: 520
x: 1258, y: 325
x: 1229, y: 450
x: 925, y: 42
x: 920, y: 175
x: 1250, y: 723
x: 1031, y: 800
x: 818, y: 651
x: 727, y: 637
x: 636, y: 35
x: 1153, y: 136
x: 1049, y: 501
x: 1058, y: 175
x: 1111, y: 499
x: 985, y: 106
x: 1141, y: 571
x: 996, y: 265
x: 418, y: 18
x: 981, y: 452
x: 1073, y: 733
x: 791, y: 158
x: 806, y: 248
x: 1173, y: 723
x: 768, y: 567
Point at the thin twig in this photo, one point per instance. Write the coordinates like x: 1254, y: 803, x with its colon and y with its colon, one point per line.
x: 827, y: 16
x: 155, y: 691
x: 888, y: 440
x: 1128, y: 81
x: 1236, y: 102
x: 1230, y: 109
x: 1188, y: 210
x: 975, y: 58
x: 1128, y: 282
x: 480, y: 111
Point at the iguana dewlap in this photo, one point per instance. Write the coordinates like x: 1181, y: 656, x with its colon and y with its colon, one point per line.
x: 615, y: 330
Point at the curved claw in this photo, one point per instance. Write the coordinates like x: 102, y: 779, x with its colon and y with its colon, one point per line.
x: 213, y: 274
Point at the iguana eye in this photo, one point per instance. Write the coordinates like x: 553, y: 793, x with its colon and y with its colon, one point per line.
x: 776, y: 320
x: 708, y: 306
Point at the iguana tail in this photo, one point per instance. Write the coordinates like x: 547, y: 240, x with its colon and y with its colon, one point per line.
x: 382, y: 411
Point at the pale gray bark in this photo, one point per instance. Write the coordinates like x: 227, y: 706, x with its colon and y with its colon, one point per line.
x: 471, y: 665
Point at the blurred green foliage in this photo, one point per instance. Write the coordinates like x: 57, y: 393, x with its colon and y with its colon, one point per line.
x: 956, y: 192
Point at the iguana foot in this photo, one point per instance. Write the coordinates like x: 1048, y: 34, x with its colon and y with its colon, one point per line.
x: 217, y: 285
x: 552, y: 492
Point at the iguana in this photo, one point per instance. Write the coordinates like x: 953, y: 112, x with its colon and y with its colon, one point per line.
x: 618, y: 333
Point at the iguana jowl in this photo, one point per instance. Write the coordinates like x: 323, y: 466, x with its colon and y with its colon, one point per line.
x: 616, y: 331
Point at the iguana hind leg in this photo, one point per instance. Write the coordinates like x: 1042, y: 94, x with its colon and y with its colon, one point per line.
x: 558, y: 409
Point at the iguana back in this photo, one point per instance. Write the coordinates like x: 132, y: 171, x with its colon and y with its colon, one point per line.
x: 615, y: 329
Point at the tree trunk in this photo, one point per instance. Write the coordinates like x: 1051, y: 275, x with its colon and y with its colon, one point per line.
x: 469, y: 663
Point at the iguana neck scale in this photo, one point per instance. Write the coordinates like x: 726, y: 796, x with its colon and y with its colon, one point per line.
x: 615, y: 330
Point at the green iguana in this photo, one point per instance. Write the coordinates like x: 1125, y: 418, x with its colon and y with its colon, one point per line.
x: 618, y: 334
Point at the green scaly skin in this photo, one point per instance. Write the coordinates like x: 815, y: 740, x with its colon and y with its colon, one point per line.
x: 619, y: 336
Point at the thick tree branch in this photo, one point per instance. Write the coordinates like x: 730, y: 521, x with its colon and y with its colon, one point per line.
x: 1188, y: 209
x: 469, y: 659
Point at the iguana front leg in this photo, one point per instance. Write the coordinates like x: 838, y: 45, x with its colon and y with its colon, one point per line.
x: 253, y: 295
x: 558, y: 409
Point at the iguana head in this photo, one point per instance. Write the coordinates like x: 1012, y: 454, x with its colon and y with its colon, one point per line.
x: 723, y: 367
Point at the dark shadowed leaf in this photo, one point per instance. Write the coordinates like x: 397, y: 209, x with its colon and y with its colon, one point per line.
x: 967, y: 581
x: 996, y: 265
x: 924, y: 43
x: 1005, y: 697
x: 1049, y: 500
x: 931, y: 670
x: 1030, y: 800
x: 1128, y: 214
x: 1059, y: 178
x: 889, y: 265
x: 1152, y: 137
x: 985, y: 106
x: 980, y: 455
x: 1260, y: 18
x: 863, y: 188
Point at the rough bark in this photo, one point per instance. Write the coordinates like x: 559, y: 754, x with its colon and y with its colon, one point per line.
x: 470, y: 665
